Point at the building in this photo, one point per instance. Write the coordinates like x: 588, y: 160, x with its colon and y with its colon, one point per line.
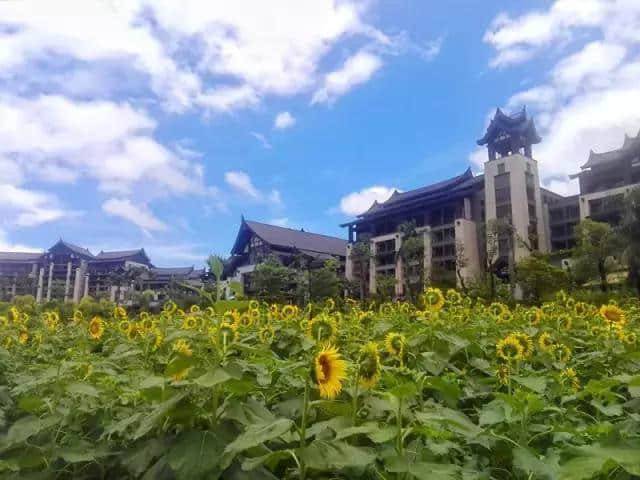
x: 450, y: 215
x: 69, y: 272
x: 257, y: 241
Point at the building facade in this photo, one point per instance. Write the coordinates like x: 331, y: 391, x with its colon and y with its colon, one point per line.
x: 453, y: 216
x: 70, y: 273
x: 257, y: 241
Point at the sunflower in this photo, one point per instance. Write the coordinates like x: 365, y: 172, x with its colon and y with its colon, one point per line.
x: 51, y: 321
x: 119, y: 312
x: 274, y: 310
x: 562, y: 353
x: 386, y: 309
x: 182, y: 347
x: 254, y: 305
x: 189, y: 322
x: 570, y: 375
x: 329, y: 305
x: 526, y: 342
x: 96, y: 328
x: 146, y: 323
x: 433, y: 299
x: 613, y: 315
x: 255, y: 314
x: 533, y: 316
x: 289, y: 311
x: 78, y: 316
x: 545, y: 342
x: 227, y: 333
x: 630, y: 338
x: 369, y: 365
x: 329, y: 371
x: 14, y: 315
x: 322, y: 328
x: 245, y: 320
x: 230, y: 316
x: 133, y: 332
x: 4, y: 321
x: 497, y: 309
x: 564, y: 321
x: 396, y: 344
x: 157, y: 339
x: 23, y: 338
x: 169, y: 307
x: 581, y: 309
x: 509, y: 349
x: 503, y: 374
x: 266, y: 334
x: 453, y: 296
x: 194, y: 309
x: 505, y: 317
x: 124, y: 326
x: 561, y: 297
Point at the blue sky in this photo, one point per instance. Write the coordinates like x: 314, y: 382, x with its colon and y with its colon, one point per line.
x: 157, y: 124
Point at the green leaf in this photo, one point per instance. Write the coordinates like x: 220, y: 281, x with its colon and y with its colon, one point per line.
x: 26, y: 427
x: 455, y: 421
x: 323, y: 455
x: 213, y: 378
x: 31, y: 403
x: 256, y: 434
x: 271, y: 460
x: 197, y: 454
x: 537, y: 384
x: 157, y: 415
x: 152, y: 381
x: 80, y: 388
x: 138, y: 462
x: 524, y: 459
x: 422, y: 470
x: 593, y: 459
x: 383, y: 434
x: 365, y: 429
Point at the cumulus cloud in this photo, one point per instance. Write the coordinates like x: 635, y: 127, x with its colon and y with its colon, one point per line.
x: 356, y: 69
x: 139, y: 215
x: 262, y: 139
x: 28, y: 208
x: 8, y: 246
x: 280, y: 222
x: 284, y: 120
x: 583, y: 103
x: 241, y: 183
x: 356, y: 203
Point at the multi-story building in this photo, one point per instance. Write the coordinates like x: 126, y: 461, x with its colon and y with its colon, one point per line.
x: 257, y: 241
x: 68, y: 272
x: 452, y: 215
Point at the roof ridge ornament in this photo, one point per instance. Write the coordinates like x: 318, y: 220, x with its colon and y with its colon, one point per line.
x: 510, y: 134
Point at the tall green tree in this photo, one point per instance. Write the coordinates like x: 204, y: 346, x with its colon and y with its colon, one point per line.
x: 361, y: 256
x: 597, y: 242
x: 630, y: 232
x: 273, y: 281
x: 325, y: 282
x: 537, y: 277
x: 412, y: 254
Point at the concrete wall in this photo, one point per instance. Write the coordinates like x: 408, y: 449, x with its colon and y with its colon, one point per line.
x: 584, y: 199
x: 467, y: 236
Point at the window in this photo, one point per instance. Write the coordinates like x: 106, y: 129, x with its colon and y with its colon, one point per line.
x: 556, y: 215
x: 501, y: 169
x: 503, y: 211
x: 532, y: 211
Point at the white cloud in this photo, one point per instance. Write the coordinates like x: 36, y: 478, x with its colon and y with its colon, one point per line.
x: 241, y: 182
x: 356, y: 69
x: 7, y: 246
x: 275, y: 197
x: 280, y: 222
x: 583, y: 103
x: 28, y: 208
x: 53, y: 138
x: 284, y: 120
x: 356, y: 203
x: 139, y: 215
x: 262, y: 139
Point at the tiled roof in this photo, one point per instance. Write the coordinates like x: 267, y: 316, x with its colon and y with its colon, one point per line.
x: 630, y: 149
x: 19, y: 256
x: 172, y: 271
x: 291, y: 238
x: 445, y: 187
x: 74, y: 248
x: 118, y: 254
x: 518, y: 124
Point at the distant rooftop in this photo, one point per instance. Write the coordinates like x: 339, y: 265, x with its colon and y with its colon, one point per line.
x: 630, y: 149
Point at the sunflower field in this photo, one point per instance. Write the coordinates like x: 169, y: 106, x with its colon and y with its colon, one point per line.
x: 452, y: 388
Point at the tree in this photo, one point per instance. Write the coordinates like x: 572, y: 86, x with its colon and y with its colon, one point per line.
x: 324, y: 282
x: 461, y: 263
x: 385, y: 287
x: 361, y: 256
x: 493, y: 232
x: 411, y: 252
x: 273, y: 281
x: 630, y: 232
x: 216, y: 269
x: 537, y: 277
x: 597, y: 242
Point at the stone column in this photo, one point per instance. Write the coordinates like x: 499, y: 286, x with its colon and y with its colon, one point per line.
x: 49, y: 281
x: 40, y: 285
x: 86, y: 286
x: 426, y: 239
x: 34, y: 268
x: 67, y: 284
x: 77, y: 285
x: 348, y: 266
x: 372, y: 269
x: 112, y: 295
x: 14, y: 286
x: 399, y: 267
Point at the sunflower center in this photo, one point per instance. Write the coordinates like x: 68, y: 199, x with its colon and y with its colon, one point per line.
x: 95, y: 327
x: 325, y: 368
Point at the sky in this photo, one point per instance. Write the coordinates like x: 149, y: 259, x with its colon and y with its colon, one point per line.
x: 157, y: 124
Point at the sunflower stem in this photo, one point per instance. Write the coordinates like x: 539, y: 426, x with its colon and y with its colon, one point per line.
x: 303, y: 430
x: 355, y: 397
x: 399, y: 442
